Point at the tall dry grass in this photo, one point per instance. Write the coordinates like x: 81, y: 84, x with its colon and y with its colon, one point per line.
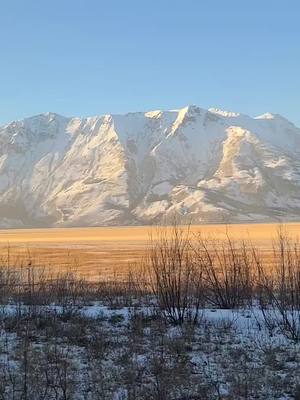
x: 181, y: 275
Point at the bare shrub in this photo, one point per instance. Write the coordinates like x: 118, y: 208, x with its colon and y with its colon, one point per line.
x: 279, y: 295
x: 9, y: 279
x: 226, y: 270
x: 174, y: 277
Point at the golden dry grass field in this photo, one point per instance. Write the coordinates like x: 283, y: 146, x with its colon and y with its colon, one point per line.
x: 110, y: 250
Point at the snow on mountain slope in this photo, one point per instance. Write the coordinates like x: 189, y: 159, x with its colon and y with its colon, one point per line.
x: 206, y: 165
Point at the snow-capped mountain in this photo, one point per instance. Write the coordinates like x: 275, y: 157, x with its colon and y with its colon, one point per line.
x: 206, y: 165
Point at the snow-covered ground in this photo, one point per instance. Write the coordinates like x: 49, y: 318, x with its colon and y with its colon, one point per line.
x: 96, y: 352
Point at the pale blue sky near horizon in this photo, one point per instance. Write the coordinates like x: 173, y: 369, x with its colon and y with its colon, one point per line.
x: 88, y: 57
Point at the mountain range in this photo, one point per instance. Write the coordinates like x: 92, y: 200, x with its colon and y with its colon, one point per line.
x: 208, y: 166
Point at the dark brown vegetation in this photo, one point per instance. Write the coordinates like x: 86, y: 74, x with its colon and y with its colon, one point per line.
x: 153, y: 334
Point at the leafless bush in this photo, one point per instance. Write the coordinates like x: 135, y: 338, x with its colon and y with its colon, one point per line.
x: 279, y: 295
x: 226, y: 270
x: 174, y: 278
x: 9, y: 279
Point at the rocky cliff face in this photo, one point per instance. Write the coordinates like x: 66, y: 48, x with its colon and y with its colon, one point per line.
x: 206, y: 165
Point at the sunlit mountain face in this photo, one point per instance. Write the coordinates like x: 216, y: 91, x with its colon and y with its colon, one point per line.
x: 204, y: 165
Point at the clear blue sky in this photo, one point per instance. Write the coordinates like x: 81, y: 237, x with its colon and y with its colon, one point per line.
x: 87, y: 57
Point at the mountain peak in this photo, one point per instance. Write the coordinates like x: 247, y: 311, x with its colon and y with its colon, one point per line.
x: 224, y: 113
x: 49, y: 116
x: 269, y: 115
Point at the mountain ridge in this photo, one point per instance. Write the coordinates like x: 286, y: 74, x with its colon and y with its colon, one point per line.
x: 126, y: 169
